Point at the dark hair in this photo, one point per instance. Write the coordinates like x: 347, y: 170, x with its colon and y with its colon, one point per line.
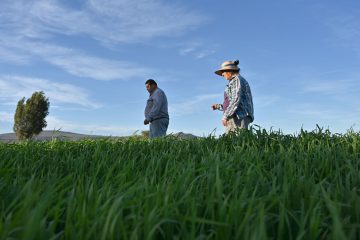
x: 231, y: 70
x: 236, y: 62
x: 151, y: 82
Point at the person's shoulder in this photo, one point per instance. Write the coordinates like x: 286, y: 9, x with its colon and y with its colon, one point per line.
x: 160, y: 91
x: 236, y: 79
x: 242, y: 79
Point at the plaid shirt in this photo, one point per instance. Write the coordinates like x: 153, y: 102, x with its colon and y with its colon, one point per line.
x: 240, y: 99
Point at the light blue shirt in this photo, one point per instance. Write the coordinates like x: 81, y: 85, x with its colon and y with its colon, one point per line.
x: 156, y: 106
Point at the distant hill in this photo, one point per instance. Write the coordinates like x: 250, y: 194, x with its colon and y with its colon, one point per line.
x: 182, y: 135
x: 48, y: 135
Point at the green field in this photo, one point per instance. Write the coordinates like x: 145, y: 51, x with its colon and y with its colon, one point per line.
x: 256, y: 185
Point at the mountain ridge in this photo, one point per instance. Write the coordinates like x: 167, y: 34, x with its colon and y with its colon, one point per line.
x: 48, y: 135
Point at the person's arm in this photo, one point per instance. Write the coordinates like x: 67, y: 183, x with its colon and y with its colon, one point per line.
x: 157, y: 103
x: 233, y: 99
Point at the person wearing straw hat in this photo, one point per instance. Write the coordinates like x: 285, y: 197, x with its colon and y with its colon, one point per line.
x: 156, y: 110
x: 238, y: 110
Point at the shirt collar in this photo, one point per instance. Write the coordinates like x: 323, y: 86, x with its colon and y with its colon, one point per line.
x: 154, y: 91
x: 233, y: 77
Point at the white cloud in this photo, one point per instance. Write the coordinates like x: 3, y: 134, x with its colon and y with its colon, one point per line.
x: 336, y: 87
x: 186, y: 50
x: 204, y: 53
x: 55, y: 123
x: 6, y: 117
x: 143, y: 19
x: 13, y: 56
x: 193, y: 105
x: 264, y: 101
x: 197, y: 50
x: 346, y: 30
x: 75, y: 62
x: 97, y: 68
x: 337, y: 120
x: 315, y: 112
x: 28, y: 27
x: 104, y: 20
x: 13, y: 88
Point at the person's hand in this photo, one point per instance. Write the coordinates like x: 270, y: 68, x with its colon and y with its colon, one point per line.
x: 146, y: 122
x: 224, y: 122
x: 214, y: 107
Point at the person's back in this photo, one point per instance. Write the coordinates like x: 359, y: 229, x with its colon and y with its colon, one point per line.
x: 245, y: 107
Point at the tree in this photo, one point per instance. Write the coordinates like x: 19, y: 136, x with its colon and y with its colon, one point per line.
x: 29, y: 119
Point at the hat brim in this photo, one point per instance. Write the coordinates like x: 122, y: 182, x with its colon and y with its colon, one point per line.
x: 219, y: 72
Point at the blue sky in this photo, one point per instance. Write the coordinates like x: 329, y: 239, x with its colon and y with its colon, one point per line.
x: 92, y: 58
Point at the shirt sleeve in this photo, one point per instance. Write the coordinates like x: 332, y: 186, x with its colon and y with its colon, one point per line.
x: 233, y: 99
x: 157, y: 102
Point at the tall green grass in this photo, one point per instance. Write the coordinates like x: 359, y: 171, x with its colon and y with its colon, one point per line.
x: 254, y: 185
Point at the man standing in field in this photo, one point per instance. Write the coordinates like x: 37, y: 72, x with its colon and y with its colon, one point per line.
x: 238, y: 104
x: 156, y: 110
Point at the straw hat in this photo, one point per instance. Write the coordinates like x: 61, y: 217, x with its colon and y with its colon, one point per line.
x: 228, y: 66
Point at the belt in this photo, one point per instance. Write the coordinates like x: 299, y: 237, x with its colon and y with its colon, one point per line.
x: 159, y: 118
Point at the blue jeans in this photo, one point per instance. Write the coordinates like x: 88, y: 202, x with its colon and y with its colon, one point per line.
x: 158, y: 127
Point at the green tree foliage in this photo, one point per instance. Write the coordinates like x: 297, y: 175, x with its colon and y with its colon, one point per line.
x: 29, y: 119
